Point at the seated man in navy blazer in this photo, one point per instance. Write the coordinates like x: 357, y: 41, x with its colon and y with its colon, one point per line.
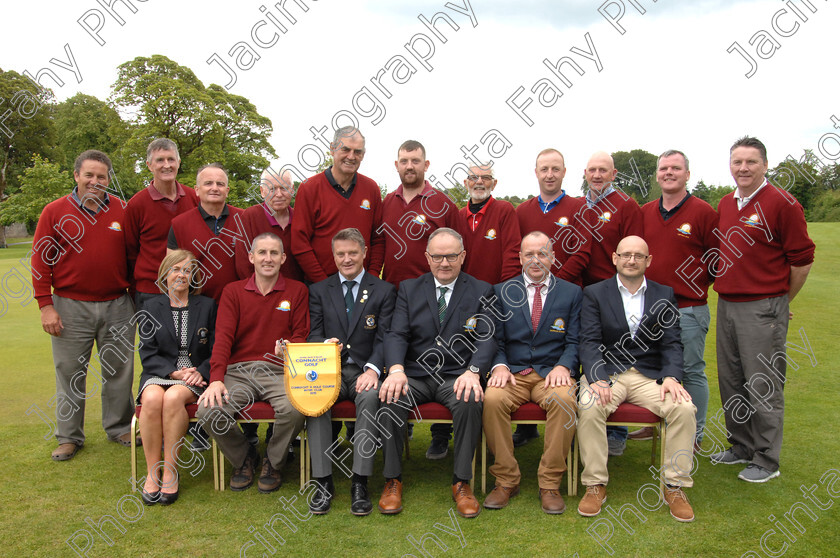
x: 538, y: 322
x: 439, y: 347
x: 630, y: 350
x: 352, y: 308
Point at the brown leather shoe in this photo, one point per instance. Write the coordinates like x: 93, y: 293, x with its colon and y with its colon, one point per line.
x: 590, y: 504
x: 391, y: 500
x: 270, y: 478
x: 552, y: 501
x: 645, y: 433
x: 65, y: 452
x: 500, y: 496
x: 465, y: 502
x: 678, y: 502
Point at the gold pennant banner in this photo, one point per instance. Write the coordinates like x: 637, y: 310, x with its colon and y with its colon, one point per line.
x: 312, y: 374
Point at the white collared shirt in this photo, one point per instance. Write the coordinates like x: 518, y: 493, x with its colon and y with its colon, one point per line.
x: 356, y: 287
x: 448, y: 295
x: 634, y: 304
x: 742, y: 202
x: 529, y: 288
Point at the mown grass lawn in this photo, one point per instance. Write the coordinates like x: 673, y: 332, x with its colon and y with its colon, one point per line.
x: 46, y: 503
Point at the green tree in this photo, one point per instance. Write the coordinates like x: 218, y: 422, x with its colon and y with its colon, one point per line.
x: 27, y: 130
x: 84, y: 122
x: 826, y: 206
x: 711, y: 194
x: 636, y: 173
x: 160, y: 98
x: 799, y: 178
x: 40, y: 184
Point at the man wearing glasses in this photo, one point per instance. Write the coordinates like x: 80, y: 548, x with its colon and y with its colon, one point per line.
x: 438, y: 348
x: 630, y: 350
x: 490, y: 229
x: 336, y: 199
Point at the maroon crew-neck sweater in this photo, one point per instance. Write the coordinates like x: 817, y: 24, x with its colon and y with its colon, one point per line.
x: 613, y: 218
x: 255, y: 221
x: 493, y: 247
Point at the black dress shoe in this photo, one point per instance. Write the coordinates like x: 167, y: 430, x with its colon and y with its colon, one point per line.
x: 150, y: 498
x: 322, y: 499
x: 524, y: 433
x: 359, y: 499
x: 166, y: 499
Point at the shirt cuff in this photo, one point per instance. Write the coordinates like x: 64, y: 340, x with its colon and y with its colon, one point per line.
x: 374, y: 368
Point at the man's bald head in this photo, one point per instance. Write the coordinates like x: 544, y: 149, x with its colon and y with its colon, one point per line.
x: 600, y: 171
x: 632, y: 243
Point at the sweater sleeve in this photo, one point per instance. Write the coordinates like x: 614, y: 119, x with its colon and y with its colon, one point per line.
x: 511, y: 240
x: 377, y: 240
x: 303, y: 227
x: 45, y: 250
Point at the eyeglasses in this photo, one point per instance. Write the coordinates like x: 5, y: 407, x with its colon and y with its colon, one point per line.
x: 483, y: 178
x: 634, y: 257
x: 451, y: 258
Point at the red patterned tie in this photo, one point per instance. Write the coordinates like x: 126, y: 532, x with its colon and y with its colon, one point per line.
x: 536, y: 312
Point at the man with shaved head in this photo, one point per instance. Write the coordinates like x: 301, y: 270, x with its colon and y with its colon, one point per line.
x: 609, y: 215
x: 630, y: 350
x: 536, y: 361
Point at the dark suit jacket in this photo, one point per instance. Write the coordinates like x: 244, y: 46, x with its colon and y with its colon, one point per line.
x: 159, y: 351
x: 656, y: 351
x: 555, y: 342
x: 363, y: 333
x: 418, y: 340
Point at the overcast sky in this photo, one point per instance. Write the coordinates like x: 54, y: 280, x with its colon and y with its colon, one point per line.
x: 666, y: 82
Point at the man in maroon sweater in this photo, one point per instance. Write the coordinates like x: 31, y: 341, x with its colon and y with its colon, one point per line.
x: 766, y: 255
x: 255, y: 315
x: 275, y: 215
x: 410, y: 214
x: 490, y: 230
x: 149, y: 215
x: 680, y: 229
x: 608, y: 215
x: 558, y: 216
x: 336, y: 199
x: 211, y: 230
x: 80, y: 280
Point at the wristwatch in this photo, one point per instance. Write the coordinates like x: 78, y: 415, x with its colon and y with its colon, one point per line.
x: 474, y: 369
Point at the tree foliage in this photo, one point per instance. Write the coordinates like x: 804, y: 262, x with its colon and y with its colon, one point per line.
x: 29, y: 129
x: 160, y: 98
x: 39, y: 185
x: 637, y: 174
x: 711, y: 194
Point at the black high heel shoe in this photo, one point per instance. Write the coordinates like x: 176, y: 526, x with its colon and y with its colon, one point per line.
x: 166, y: 499
x: 151, y: 498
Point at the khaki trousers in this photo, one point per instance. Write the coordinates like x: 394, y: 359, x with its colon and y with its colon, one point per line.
x: 634, y: 387
x: 560, y: 407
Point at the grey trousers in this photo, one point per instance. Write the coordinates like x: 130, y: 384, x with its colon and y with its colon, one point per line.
x: 248, y: 382
x: 751, y: 376
x: 109, y: 325
x: 319, y: 429
x: 466, y: 417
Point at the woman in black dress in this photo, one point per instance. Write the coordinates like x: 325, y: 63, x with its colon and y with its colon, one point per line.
x: 176, y: 368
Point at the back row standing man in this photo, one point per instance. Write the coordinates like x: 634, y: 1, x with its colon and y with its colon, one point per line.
x: 80, y: 280
x: 149, y: 214
x: 765, y: 238
x: 336, y: 199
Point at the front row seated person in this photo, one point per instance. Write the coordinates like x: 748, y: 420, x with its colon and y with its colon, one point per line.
x: 538, y: 322
x: 352, y: 308
x: 439, y: 347
x: 630, y: 350
x: 255, y: 315
x: 176, y: 367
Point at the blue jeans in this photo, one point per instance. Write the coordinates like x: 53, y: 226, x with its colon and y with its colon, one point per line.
x: 694, y: 325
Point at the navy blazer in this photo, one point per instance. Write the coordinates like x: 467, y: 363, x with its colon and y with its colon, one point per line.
x: 159, y: 351
x: 555, y: 342
x: 424, y: 346
x: 363, y: 331
x: 606, y: 346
